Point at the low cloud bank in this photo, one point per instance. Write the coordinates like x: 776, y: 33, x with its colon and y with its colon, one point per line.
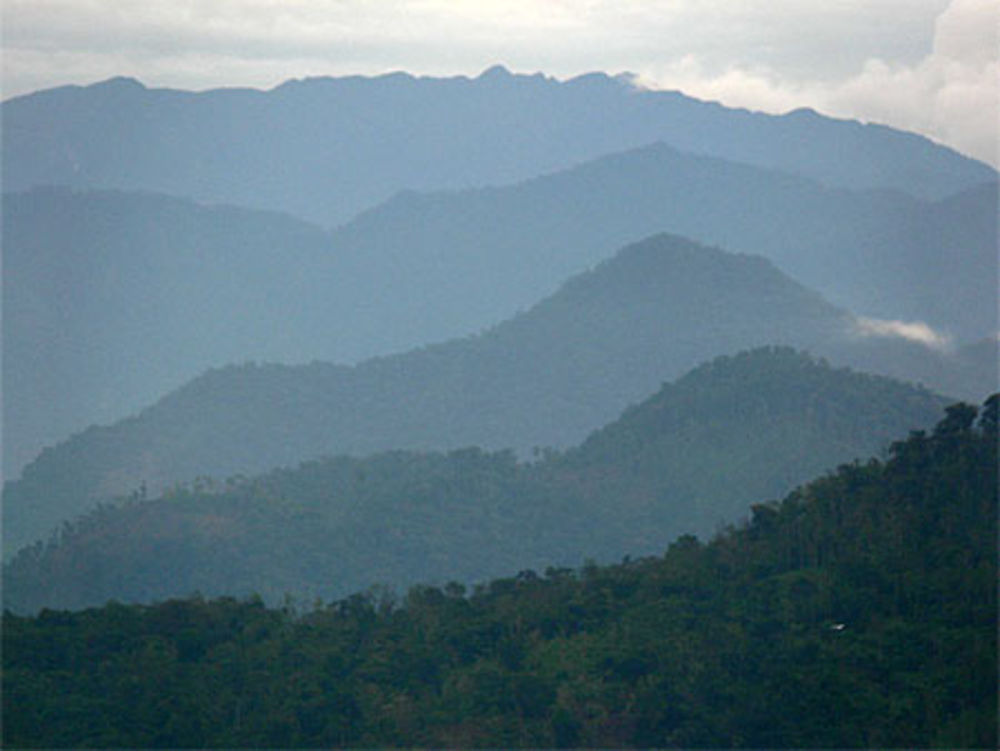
x: 914, y: 331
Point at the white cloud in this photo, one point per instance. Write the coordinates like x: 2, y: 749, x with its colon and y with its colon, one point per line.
x: 951, y: 95
x: 914, y: 331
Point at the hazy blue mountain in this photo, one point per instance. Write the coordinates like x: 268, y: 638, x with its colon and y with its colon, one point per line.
x: 546, y: 377
x: 325, y: 148
x: 695, y: 455
x: 880, y: 254
x: 111, y: 299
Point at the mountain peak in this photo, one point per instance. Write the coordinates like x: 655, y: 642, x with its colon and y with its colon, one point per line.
x: 667, y: 260
x: 495, y: 73
x: 118, y: 83
x: 595, y: 78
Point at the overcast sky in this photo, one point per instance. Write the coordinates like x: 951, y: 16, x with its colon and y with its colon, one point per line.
x: 925, y: 65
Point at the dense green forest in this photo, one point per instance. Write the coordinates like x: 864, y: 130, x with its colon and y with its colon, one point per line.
x: 860, y: 611
x: 690, y: 458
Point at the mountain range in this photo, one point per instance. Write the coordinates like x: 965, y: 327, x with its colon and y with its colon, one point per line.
x: 545, y: 378
x: 111, y: 299
x: 687, y: 460
x: 403, y: 246
x: 490, y: 251
x: 326, y: 148
x: 356, y: 336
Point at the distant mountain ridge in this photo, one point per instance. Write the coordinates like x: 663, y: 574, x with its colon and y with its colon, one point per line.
x: 878, y: 253
x: 544, y: 378
x: 686, y: 460
x: 326, y: 148
x: 111, y: 299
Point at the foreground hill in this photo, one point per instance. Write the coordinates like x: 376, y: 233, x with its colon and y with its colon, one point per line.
x: 687, y: 460
x: 860, y: 612
x: 547, y: 377
x: 324, y: 149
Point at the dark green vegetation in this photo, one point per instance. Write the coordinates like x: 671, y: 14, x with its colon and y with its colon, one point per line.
x: 690, y: 458
x: 326, y: 148
x: 547, y: 377
x: 858, y: 612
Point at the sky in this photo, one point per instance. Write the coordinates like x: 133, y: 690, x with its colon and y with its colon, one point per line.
x: 929, y: 66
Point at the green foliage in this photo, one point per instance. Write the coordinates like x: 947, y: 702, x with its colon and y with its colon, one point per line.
x: 860, y: 611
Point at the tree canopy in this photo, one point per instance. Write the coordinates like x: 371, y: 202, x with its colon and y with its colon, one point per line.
x: 860, y: 611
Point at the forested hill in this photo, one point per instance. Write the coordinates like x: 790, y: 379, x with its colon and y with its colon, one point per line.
x: 546, y: 377
x: 747, y: 426
x: 860, y: 612
x: 324, y: 149
x: 687, y: 460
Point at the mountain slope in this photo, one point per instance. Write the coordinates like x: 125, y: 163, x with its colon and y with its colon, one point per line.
x: 698, y: 442
x: 111, y: 299
x: 879, y: 254
x: 686, y: 460
x: 546, y: 377
x: 860, y: 612
x: 326, y: 148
